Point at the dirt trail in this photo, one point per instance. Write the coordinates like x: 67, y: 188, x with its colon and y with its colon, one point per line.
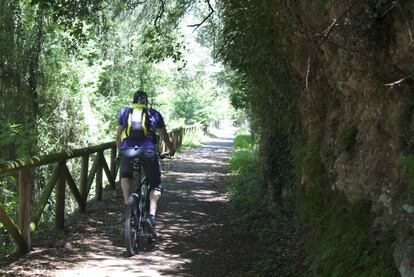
x: 199, y: 233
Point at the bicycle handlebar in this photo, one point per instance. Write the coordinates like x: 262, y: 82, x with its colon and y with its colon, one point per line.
x: 117, y: 159
x: 164, y: 156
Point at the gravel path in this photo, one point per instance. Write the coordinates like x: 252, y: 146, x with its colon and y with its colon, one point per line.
x: 200, y: 234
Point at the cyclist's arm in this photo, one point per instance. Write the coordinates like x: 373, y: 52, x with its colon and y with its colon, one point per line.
x: 119, y: 131
x: 164, y: 136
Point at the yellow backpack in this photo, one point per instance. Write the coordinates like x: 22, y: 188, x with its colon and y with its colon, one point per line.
x: 137, y: 123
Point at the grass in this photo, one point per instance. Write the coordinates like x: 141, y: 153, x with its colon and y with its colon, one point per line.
x: 192, y: 140
x: 244, y: 142
x: 245, y: 190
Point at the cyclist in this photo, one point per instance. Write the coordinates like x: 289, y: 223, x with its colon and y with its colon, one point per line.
x: 135, y: 138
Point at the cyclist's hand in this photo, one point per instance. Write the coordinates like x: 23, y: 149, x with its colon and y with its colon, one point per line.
x: 166, y: 155
x: 170, y: 152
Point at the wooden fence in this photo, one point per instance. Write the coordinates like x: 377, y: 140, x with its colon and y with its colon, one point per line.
x: 29, y: 216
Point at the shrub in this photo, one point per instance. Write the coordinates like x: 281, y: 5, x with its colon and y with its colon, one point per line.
x: 245, y: 189
x: 341, y: 241
x: 244, y: 142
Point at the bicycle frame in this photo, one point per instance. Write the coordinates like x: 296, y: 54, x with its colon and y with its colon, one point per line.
x: 142, y: 188
x: 137, y: 211
x: 138, y: 202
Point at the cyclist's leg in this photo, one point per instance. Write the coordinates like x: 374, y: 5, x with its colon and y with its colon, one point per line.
x: 153, y: 172
x: 155, y: 196
x: 126, y: 171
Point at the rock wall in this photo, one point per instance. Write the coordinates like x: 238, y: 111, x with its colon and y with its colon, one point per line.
x: 359, y: 103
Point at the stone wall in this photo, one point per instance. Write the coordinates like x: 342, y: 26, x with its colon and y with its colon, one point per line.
x: 355, y: 107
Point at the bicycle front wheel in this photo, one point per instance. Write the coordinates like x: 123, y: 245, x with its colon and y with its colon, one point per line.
x: 133, y: 226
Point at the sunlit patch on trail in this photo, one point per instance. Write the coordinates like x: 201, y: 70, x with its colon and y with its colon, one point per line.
x: 190, y: 212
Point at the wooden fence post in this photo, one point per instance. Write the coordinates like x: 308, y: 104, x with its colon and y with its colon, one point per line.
x: 28, y: 220
x: 180, y: 140
x: 60, y: 196
x: 13, y: 230
x: 25, y: 204
x: 113, y: 165
x: 99, y: 172
x: 74, y: 189
x: 84, y: 181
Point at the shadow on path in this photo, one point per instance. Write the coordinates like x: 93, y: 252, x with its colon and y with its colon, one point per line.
x: 200, y: 234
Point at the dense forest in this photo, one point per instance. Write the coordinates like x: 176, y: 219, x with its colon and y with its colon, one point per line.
x: 67, y: 68
x: 326, y: 85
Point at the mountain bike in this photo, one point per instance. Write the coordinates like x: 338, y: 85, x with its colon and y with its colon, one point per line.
x: 137, y: 233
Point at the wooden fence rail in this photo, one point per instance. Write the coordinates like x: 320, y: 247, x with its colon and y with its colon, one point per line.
x: 29, y: 216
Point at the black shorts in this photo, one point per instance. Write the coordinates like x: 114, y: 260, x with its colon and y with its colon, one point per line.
x: 150, y: 163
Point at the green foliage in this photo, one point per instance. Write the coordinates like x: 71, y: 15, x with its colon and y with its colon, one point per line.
x: 238, y: 88
x: 340, y: 240
x: 73, y: 16
x: 192, y: 140
x: 407, y: 162
x: 67, y: 68
x: 405, y: 116
x: 266, y: 54
x: 19, y: 63
x: 9, y: 203
x: 240, y: 160
x: 312, y: 165
x: 159, y: 46
x: 245, y: 190
x: 244, y: 141
x: 261, y: 82
x: 191, y: 107
x: 246, y: 193
x: 198, y: 97
x: 244, y: 155
x: 276, y: 152
x: 347, y: 138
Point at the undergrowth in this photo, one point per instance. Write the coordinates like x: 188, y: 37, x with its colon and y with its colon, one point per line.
x: 327, y: 236
x: 244, y: 142
x: 340, y: 240
x: 407, y: 162
x: 192, y: 140
x: 246, y: 193
x: 245, y: 190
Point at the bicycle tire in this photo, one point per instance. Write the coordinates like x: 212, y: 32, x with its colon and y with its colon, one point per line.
x: 133, y: 225
x: 144, y: 205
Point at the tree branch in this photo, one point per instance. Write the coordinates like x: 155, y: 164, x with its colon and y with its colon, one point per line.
x: 159, y: 15
x: 329, y: 30
x: 307, y: 74
x: 410, y: 34
x: 205, y: 19
x: 325, y: 37
x: 399, y: 81
x: 393, y: 5
x: 136, y: 3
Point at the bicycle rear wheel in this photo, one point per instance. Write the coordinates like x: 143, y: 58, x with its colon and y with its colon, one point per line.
x: 133, y: 225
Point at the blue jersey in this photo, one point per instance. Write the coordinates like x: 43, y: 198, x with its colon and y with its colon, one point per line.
x: 155, y: 121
